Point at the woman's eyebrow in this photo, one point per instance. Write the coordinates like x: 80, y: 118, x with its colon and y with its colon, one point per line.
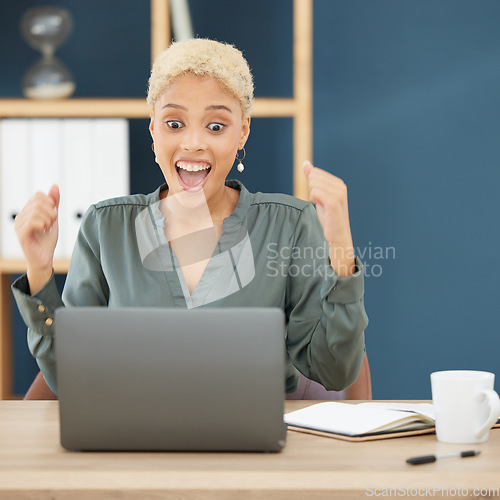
x: 175, y: 106
x: 208, y: 108
x: 218, y: 106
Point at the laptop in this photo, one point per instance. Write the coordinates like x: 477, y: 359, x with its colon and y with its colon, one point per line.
x: 160, y: 379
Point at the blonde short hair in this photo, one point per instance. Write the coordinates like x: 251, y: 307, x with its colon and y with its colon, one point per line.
x: 204, y: 58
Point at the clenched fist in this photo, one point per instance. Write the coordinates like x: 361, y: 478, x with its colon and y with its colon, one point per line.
x: 37, y: 229
x: 329, y: 194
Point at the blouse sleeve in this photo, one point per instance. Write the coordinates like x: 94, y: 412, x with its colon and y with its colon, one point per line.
x: 85, y: 285
x: 326, y: 314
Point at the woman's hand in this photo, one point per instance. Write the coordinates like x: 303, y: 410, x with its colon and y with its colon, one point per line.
x: 37, y: 229
x: 329, y: 194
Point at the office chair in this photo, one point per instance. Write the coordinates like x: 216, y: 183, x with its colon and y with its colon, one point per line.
x: 361, y: 389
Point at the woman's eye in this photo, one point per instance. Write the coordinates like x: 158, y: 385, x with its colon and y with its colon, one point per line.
x: 216, y: 127
x: 174, y: 124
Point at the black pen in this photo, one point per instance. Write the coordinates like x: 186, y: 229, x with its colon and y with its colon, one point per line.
x: 432, y: 458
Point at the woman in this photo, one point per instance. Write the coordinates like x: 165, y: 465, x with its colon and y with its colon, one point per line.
x: 201, y: 240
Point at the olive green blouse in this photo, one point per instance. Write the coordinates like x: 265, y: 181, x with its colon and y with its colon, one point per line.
x: 271, y: 253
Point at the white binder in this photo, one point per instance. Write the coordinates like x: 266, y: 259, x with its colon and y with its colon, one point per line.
x: 75, y: 180
x: 14, y: 182
x: 45, y: 166
x: 110, y: 164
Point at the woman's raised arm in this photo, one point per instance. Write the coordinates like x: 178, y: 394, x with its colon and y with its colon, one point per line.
x: 37, y: 229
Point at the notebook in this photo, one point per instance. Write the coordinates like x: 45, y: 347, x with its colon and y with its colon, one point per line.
x: 153, y: 379
x: 363, y: 421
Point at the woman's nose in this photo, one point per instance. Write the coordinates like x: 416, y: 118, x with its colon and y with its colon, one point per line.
x: 193, y: 141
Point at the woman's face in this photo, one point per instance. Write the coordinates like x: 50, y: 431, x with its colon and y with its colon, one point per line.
x: 197, y: 128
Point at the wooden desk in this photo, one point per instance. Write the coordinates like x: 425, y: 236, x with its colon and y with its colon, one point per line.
x: 33, y: 465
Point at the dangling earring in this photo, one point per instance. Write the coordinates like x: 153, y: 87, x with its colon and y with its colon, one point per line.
x: 240, y: 166
x: 153, y: 148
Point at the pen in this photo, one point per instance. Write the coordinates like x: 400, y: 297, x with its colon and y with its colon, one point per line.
x: 432, y: 458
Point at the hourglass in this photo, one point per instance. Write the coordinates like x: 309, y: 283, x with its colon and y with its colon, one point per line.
x: 45, y: 29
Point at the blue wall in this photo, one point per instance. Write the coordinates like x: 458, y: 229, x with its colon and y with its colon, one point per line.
x: 406, y: 111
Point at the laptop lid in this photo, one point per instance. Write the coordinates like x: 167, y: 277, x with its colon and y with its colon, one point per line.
x: 171, y: 379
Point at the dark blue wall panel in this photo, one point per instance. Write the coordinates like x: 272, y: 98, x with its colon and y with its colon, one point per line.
x: 407, y: 112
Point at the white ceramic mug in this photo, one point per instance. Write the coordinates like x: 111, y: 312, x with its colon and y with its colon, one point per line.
x: 465, y: 404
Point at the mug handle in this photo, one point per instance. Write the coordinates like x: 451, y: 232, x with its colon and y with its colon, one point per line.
x: 494, y: 402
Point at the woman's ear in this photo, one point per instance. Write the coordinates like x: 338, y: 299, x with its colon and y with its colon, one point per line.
x: 151, y: 127
x: 245, y: 131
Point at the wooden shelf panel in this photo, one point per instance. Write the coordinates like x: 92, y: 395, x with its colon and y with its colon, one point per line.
x: 73, y: 108
x: 18, y: 266
x: 114, y: 107
x: 269, y: 107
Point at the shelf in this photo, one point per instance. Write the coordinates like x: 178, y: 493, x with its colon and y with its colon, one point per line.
x: 269, y: 107
x: 18, y: 266
x: 72, y: 108
x: 121, y: 108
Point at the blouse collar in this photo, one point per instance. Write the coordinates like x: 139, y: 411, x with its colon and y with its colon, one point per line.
x: 239, y: 212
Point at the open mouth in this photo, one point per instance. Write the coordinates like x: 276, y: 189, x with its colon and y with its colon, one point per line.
x: 192, y: 174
